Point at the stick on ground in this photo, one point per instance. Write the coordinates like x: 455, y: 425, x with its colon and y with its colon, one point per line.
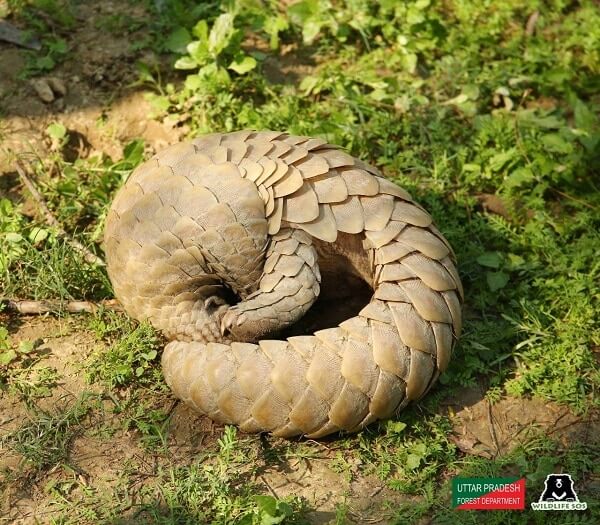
x: 44, y: 307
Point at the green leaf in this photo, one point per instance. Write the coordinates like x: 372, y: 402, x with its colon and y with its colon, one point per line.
x: 4, y: 339
x: 273, y: 25
x: 56, y: 131
x: 7, y: 357
x: 149, y: 356
x: 58, y: 46
x: 242, y: 64
x: 284, y: 509
x: 496, y: 280
x: 13, y: 237
x: 308, y: 84
x: 133, y: 152
x: 310, y: 31
x: 186, y: 63
x: 160, y: 103
x: 25, y: 347
x: 267, y: 504
x: 38, y: 234
x: 200, y: 31
x: 246, y: 519
x: 471, y: 91
x: 144, y: 72
x: 215, y: 74
x: 198, y: 50
x: 460, y: 99
x: 45, y: 63
x: 490, y: 259
x: 395, y: 427
x: 519, y: 177
x: 556, y: 143
x: 531, y: 118
x: 221, y: 33
x: 499, y: 160
x: 545, y: 466
x: 272, y: 511
x: 474, y: 168
x: 420, y: 449
x: 409, y: 62
x: 413, y: 461
x: 178, y: 40
x: 300, y: 12
x: 193, y: 82
x: 139, y: 371
x: 515, y: 261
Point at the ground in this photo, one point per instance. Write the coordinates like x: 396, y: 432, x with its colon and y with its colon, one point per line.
x: 486, y: 112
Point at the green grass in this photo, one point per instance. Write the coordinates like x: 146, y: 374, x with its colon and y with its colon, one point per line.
x: 492, y: 128
x: 44, y: 440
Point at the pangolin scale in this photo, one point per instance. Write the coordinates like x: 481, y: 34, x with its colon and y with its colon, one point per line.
x: 257, y: 215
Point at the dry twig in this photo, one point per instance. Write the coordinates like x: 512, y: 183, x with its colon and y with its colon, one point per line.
x: 531, y: 23
x: 44, y: 307
x: 492, y: 428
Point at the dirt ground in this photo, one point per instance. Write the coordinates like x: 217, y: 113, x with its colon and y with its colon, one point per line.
x: 105, y: 112
x: 98, y: 104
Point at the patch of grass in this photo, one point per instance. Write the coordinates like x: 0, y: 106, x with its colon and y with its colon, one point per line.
x: 20, y: 373
x: 215, y: 488
x: 35, y: 262
x: 408, y: 456
x: 127, y: 360
x: 44, y: 440
x: 51, y: 269
x: 131, y: 356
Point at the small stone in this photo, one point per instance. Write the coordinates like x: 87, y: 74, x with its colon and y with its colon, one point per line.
x: 58, y: 86
x: 43, y: 90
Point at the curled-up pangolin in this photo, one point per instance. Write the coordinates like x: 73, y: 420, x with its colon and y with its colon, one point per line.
x: 259, y: 215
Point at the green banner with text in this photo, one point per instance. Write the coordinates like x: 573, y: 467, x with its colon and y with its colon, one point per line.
x: 488, y: 493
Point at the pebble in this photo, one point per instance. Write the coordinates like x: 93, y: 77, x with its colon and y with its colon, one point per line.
x: 58, y: 86
x: 43, y: 90
x: 50, y: 88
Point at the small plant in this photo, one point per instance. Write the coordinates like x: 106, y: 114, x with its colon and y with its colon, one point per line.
x: 55, y: 51
x: 10, y: 355
x: 212, y: 52
x: 58, y: 133
x: 132, y: 356
x: 151, y: 423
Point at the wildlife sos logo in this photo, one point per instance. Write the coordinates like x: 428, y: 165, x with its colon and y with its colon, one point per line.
x: 559, y: 494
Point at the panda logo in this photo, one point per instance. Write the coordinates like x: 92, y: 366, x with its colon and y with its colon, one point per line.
x: 559, y: 487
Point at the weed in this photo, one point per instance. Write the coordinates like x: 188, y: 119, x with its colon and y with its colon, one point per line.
x: 55, y: 51
x: 131, y: 356
x: 215, y: 488
x: 19, y: 371
x: 44, y: 441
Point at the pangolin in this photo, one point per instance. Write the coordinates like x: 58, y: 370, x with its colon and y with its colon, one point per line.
x: 255, y: 217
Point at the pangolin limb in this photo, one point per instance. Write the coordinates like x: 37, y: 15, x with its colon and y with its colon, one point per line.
x: 258, y: 215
